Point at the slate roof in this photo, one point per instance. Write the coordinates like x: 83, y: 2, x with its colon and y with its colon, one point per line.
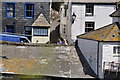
x: 116, y: 13
x: 108, y: 33
x: 41, y: 21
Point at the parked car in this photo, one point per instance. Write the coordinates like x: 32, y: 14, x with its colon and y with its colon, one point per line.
x: 14, y: 38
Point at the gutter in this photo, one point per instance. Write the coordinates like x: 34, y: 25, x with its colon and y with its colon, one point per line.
x: 98, y: 59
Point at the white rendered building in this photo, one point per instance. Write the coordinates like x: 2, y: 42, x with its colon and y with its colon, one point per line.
x: 101, y: 49
x: 91, y: 15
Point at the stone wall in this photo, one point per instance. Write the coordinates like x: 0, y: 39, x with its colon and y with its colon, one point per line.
x: 19, y: 21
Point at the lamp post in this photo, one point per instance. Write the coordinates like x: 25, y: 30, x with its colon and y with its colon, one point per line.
x: 73, y: 17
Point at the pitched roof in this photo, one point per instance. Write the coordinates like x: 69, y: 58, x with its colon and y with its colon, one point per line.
x: 116, y: 13
x: 108, y: 33
x: 41, y: 21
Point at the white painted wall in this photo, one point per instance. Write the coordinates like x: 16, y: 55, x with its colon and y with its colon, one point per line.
x: 89, y: 50
x: 101, y: 17
x: 106, y: 55
x: 107, y: 51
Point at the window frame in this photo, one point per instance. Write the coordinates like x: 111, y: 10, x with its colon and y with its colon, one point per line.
x: 86, y: 9
x: 40, y: 28
x: 89, y: 27
x: 115, y: 48
x: 31, y: 10
x: 14, y: 4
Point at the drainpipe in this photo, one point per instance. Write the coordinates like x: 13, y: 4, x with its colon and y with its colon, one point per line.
x: 50, y: 9
x: 69, y: 23
x: 98, y: 60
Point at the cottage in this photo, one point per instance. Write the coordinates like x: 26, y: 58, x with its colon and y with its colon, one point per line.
x: 20, y: 17
x: 40, y: 30
x: 100, y: 47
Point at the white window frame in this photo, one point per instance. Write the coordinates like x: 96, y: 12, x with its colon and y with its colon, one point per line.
x: 42, y: 31
x: 89, y: 10
x: 116, y: 50
x: 91, y: 27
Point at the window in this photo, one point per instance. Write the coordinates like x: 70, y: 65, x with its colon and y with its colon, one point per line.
x: 10, y: 10
x: 10, y: 28
x: 28, y: 30
x: 29, y: 10
x: 40, y: 31
x: 89, y: 26
x: 116, y: 50
x: 89, y: 9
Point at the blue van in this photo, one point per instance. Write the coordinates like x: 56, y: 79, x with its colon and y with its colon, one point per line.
x: 14, y: 38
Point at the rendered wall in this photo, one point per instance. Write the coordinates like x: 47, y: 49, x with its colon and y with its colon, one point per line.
x: 101, y: 17
x: 108, y: 55
x: 89, y: 50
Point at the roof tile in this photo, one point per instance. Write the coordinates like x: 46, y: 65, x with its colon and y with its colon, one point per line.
x: 108, y: 33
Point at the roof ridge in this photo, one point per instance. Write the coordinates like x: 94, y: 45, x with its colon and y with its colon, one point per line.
x: 41, y: 21
x: 108, y: 32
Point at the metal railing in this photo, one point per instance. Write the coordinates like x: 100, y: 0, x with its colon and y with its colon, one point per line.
x: 111, y: 66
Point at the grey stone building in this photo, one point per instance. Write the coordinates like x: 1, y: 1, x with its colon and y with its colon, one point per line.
x: 18, y: 16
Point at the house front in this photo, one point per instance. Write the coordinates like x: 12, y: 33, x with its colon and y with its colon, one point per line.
x: 90, y: 15
x: 19, y: 17
x: 101, y: 49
